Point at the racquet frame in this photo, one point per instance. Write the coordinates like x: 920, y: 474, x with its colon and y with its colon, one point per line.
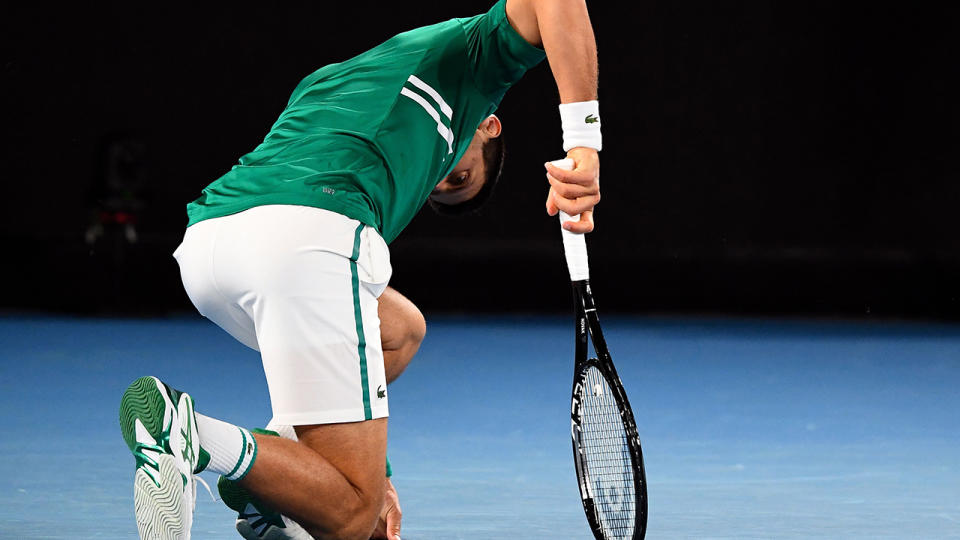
x: 588, y: 328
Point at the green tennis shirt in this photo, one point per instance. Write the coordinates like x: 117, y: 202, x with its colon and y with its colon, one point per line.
x: 371, y: 137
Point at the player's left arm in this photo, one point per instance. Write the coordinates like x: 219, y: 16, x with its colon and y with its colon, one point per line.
x: 562, y: 28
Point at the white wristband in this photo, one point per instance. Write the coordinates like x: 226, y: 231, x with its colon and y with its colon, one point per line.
x: 581, y: 125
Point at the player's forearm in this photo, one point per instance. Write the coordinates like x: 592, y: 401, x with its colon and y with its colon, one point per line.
x: 570, y: 46
x: 562, y: 28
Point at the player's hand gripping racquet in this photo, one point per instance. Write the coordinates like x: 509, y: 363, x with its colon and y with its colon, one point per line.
x: 606, y: 446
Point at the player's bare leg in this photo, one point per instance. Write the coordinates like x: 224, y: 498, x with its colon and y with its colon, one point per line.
x: 402, y: 328
x: 331, y: 481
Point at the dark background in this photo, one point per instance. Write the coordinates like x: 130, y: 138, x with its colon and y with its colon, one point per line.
x: 759, y: 157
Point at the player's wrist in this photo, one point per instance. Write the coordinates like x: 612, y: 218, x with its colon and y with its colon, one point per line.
x: 580, y: 122
x: 579, y: 153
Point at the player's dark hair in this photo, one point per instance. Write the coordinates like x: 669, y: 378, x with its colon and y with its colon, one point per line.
x: 493, y: 157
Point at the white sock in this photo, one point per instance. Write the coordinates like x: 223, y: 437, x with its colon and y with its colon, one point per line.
x: 232, y: 449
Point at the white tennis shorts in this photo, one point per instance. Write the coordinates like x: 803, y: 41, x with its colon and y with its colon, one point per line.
x: 300, y: 285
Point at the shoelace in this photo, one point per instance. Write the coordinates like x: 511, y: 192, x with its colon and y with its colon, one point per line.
x: 204, y: 482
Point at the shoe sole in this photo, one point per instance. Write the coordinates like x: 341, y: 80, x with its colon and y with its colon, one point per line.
x: 161, y: 510
x: 142, y: 400
x: 161, y: 504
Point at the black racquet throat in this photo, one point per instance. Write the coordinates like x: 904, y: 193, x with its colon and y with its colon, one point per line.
x: 606, y: 446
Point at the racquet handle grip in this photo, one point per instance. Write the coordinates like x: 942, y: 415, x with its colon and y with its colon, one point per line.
x: 574, y: 245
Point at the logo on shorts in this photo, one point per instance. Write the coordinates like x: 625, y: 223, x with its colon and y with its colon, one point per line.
x: 381, y: 393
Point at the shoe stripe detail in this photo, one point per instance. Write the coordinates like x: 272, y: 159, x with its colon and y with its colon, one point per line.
x: 243, y: 454
x: 361, y: 339
x: 259, y: 523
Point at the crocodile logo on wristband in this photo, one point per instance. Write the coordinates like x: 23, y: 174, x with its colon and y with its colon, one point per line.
x: 591, y: 119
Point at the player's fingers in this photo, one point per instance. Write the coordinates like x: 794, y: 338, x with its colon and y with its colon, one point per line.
x: 550, y: 204
x: 572, y: 191
x: 394, y: 517
x: 577, y: 206
x: 582, y: 177
x: 585, y: 224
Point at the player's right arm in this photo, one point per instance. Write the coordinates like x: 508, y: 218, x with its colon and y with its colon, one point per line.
x: 562, y: 28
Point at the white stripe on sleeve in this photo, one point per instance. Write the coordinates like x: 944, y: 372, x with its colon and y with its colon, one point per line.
x: 441, y: 129
x: 432, y: 93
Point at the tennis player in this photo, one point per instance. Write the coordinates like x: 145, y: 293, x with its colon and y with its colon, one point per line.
x: 288, y: 253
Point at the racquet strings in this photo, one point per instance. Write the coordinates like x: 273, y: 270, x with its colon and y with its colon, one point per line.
x: 609, y: 467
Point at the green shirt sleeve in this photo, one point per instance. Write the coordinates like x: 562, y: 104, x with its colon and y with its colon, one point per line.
x: 497, y: 55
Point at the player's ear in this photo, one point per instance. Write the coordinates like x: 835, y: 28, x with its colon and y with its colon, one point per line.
x: 491, y: 126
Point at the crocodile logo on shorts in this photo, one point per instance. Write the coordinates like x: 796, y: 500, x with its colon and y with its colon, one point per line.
x: 591, y: 119
x: 381, y: 393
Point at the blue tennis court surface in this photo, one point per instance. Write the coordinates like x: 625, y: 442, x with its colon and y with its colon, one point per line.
x: 750, y: 428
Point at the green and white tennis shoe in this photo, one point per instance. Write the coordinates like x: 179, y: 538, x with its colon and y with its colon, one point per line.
x: 256, y: 520
x: 160, y: 428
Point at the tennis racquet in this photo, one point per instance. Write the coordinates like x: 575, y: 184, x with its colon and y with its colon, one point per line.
x: 606, y: 446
